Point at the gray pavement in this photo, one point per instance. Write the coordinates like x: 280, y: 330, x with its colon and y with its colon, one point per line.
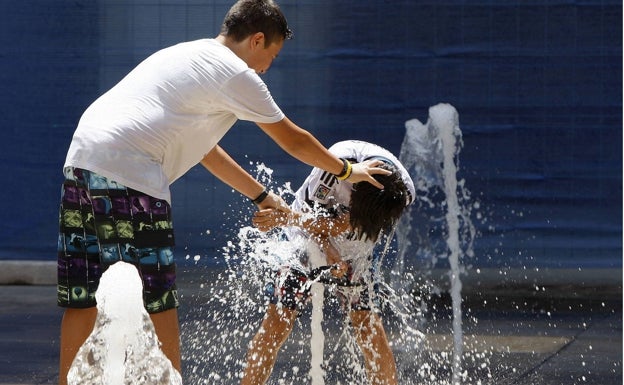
x: 516, y: 335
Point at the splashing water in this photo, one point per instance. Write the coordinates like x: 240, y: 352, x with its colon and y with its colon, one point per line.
x: 445, y: 118
x: 435, y: 230
x: 430, y: 153
x: 123, y: 348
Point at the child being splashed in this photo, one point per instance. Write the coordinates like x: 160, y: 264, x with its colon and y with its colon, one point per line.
x: 345, y: 221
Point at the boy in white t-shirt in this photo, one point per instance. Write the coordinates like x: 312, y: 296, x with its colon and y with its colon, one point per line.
x: 164, y: 117
x: 333, y: 227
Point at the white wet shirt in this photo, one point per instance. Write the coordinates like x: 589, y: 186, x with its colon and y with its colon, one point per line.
x: 167, y: 113
x: 323, y: 188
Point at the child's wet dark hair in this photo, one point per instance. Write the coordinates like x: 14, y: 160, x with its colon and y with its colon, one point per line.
x: 373, y: 210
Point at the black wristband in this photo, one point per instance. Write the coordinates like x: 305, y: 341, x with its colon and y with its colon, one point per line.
x: 261, y: 197
x: 345, y: 168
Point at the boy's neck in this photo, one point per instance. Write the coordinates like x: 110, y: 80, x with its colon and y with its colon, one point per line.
x: 238, y: 47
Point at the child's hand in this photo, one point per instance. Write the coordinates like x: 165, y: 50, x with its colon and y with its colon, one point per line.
x: 340, y: 269
x: 268, y: 219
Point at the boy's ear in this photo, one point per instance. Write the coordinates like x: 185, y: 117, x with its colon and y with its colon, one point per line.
x: 257, y: 40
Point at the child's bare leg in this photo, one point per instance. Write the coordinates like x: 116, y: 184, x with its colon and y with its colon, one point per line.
x: 263, y: 348
x: 371, y: 337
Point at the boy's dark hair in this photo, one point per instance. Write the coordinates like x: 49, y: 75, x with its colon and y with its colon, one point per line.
x: 247, y: 17
x: 373, y: 210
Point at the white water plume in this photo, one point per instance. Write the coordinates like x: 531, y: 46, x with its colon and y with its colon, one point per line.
x: 430, y: 152
x: 123, y: 348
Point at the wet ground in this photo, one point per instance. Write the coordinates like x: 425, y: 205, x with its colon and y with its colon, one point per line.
x: 559, y: 335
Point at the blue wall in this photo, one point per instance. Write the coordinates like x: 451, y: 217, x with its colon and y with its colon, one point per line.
x: 538, y: 86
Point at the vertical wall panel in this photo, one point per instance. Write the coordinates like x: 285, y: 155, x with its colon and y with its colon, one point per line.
x: 537, y: 85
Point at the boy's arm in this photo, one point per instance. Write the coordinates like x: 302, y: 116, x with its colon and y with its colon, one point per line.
x: 221, y: 165
x: 318, y: 227
x: 303, y: 146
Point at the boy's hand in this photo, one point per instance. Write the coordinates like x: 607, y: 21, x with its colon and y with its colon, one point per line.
x: 364, y: 171
x: 268, y: 219
x: 272, y: 201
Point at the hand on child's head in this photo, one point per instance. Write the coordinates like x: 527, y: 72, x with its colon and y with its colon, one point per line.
x: 364, y: 171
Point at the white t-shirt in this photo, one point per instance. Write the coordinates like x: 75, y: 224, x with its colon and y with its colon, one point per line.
x: 167, y: 113
x: 323, y: 188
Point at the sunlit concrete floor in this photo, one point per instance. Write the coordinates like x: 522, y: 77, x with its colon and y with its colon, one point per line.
x: 563, y: 335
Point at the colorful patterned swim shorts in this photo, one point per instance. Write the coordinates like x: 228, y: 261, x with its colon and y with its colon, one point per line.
x: 102, y: 222
x: 291, y: 288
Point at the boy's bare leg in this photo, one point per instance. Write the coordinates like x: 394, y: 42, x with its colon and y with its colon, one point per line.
x: 77, y: 325
x: 371, y: 337
x: 168, y: 332
x: 263, y: 348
